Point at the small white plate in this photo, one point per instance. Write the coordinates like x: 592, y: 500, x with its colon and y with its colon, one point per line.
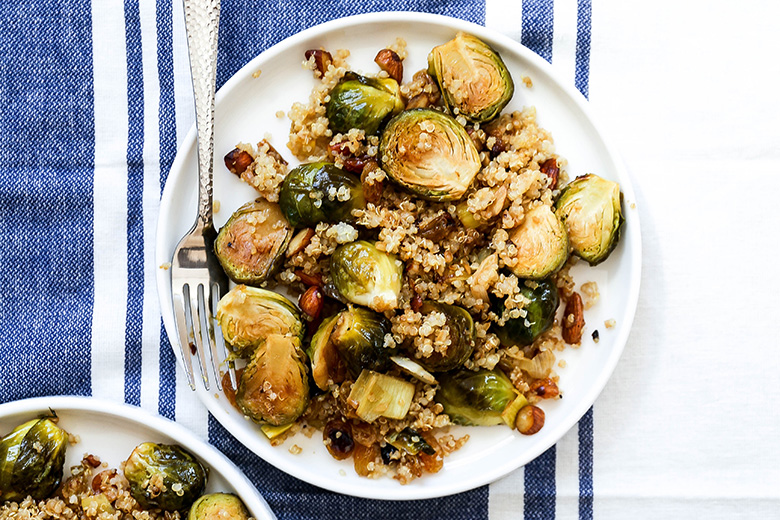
x: 110, y: 431
x: 246, y: 111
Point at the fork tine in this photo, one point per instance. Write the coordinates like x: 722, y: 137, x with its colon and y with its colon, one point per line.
x: 196, y: 304
x: 183, y: 332
x: 220, y: 348
x: 209, y: 329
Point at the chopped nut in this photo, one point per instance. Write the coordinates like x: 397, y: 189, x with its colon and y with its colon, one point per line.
x: 237, y: 161
x: 551, y: 170
x: 311, y: 302
x: 309, y: 279
x: 545, y: 388
x: 322, y: 60
x: 573, y: 320
x: 389, y: 61
x: 530, y: 420
x: 299, y: 242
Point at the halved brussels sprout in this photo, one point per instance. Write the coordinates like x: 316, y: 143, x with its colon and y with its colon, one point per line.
x: 326, y: 363
x: 476, y: 398
x: 430, y: 154
x: 542, y: 245
x: 363, y: 103
x: 367, y: 276
x: 320, y: 192
x: 274, y: 387
x: 251, y: 245
x: 31, y: 460
x: 165, y: 476
x: 472, y: 77
x: 248, y: 315
x: 359, y: 336
x: 462, y: 334
x: 218, y: 506
x: 540, y: 315
x: 590, y: 207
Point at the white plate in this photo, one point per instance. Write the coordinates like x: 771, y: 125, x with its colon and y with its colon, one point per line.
x: 246, y: 111
x: 111, y: 431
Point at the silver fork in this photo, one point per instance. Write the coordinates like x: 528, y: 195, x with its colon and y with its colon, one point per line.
x: 198, y: 281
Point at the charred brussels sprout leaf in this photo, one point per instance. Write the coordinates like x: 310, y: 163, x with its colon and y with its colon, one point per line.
x: 367, y: 276
x: 248, y: 315
x: 462, y: 334
x: 363, y: 103
x: 274, y: 387
x: 251, y: 245
x: 472, y: 77
x: 540, y: 315
x: 218, y: 506
x: 410, y: 441
x: 430, y: 154
x: 325, y: 361
x: 359, y: 336
x: 541, y: 242
x: 476, y: 398
x: 320, y: 192
x: 31, y: 460
x: 165, y: 476
x: 590, y: 207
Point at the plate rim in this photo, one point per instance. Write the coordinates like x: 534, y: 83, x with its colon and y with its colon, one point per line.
x: 205, y: 452
x: 632, y: 227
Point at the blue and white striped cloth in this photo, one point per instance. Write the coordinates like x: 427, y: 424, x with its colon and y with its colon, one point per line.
x: 94, y: 97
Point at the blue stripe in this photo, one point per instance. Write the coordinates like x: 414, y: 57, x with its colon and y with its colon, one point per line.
x: 585, y: 438
x: 47, y: 150
x: 135, y: 185
x: 167, y: 115
x: 294, y: 499
x: 537, y: 27
x: 540, y: 487
x: 582, y: 72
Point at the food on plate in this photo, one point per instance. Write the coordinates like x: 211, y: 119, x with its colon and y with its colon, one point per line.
x: 157, y: 481
x: 431, y: 255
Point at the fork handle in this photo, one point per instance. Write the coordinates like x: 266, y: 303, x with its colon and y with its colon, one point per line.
x: 202, y: 22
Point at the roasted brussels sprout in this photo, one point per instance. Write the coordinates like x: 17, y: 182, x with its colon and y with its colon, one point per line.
x: 472, y: 77
x: 363, y: 103
x: 218, y: 506
x: 165, y: 476
x: 359, y: 336
x: 367, y: 276
x: 462, y: 334
x: 326, y: 364
x: 410, y: 441
x: 541, y: 242
x: 478, y: 398
x: 248, y: 315
x: 274, y: 387
x: 540, y: 314
x: 590, y: 207
x: 430, y: 154
x: 320, y: 192
x: 31, y: 460
x: 251, y: 245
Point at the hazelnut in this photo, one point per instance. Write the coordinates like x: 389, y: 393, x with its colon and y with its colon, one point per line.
x: 545, y: 388
x: 311, y: 302
x: 237, y: 161
x: 309, y: 280
x: 389, y: 61
x: 573, y: 320
x: 322, y: 60
x: 530, y: 419
x: 550, y: 169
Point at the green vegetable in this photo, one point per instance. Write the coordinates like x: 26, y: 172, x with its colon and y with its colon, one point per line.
x: 31, y: 460
x: 359, y: 337
x: 410, y: 441
x: 363, y: 103
x: 165, y: 476
x: 540, y: 315
x: 320, y: 192
x: 377, y: 395
x: 476, y: 398
x: 473, y: 78
x: 462, y: 336
x: 218, y: 506
x: 430, y: 154
x: 274, y: 387
x: 251, y: 245
x: 325, y: 360
x: 542, y: 245
x: 367, y: 276
x: 248, y: 315
x: 590, y: 207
